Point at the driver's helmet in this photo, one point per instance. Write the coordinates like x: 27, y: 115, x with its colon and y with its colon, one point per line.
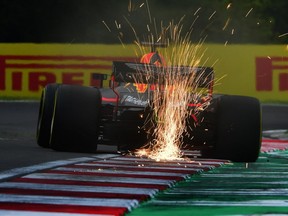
x: 153, y: 58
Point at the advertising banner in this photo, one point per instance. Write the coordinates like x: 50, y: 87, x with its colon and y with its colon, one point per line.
x: 254, y: 70
x: 26, y: 68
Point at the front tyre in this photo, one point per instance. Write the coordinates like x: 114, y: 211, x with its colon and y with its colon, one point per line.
x: 76, y: 117
x: 238, y: 128
x: 45, y: 114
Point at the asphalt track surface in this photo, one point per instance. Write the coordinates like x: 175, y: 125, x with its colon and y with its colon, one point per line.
x: 18, y: 122
x: 79, y: 184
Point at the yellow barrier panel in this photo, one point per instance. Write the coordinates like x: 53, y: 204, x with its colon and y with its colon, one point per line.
x: 254, y: 70
x: 26, y: 68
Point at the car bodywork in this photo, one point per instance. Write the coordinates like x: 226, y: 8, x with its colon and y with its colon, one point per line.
x: 78, y: 118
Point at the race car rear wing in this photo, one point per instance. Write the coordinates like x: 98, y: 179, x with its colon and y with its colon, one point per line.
x: 130, y: 72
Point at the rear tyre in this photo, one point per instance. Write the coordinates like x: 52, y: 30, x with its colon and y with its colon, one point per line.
x: 45, y: 115
x: 238, y: 130
x: 75, y: 123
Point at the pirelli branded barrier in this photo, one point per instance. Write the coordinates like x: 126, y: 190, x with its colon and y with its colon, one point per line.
x: 254, y: 70
x: 26, y: 68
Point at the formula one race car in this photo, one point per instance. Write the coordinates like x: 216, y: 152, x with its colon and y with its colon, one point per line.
x: 78, y: 118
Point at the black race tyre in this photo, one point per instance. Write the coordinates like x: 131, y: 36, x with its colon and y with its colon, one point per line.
x: 238, y: 130
x: 45, y: 115
x: 75, y: 123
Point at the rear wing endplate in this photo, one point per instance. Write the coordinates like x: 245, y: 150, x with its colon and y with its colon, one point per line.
x: 130, y: 72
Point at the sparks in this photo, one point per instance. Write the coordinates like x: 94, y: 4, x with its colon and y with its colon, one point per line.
x: 118, y: 25
x: 106, y: 25
x: 130, y: 6
x: 229, y: 6
x: 282, y: 35
x: 170, y: 98
x: 226, y: 24
x: 212, y: 15
x: 248, y: 12
x: 142, y: 152
x: 197, y: 11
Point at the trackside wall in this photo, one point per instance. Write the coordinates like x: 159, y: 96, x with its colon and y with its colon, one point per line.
x: 253, y: 70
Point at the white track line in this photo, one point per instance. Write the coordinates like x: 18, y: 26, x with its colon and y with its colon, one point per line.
x: 76, y: 188
x: 155, y: 167
x: 117, y: 171
x: 100, y: 179
x: 48, y: 165
x: 74, y: 201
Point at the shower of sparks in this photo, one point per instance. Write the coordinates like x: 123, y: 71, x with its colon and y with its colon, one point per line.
x: 172, y: 93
